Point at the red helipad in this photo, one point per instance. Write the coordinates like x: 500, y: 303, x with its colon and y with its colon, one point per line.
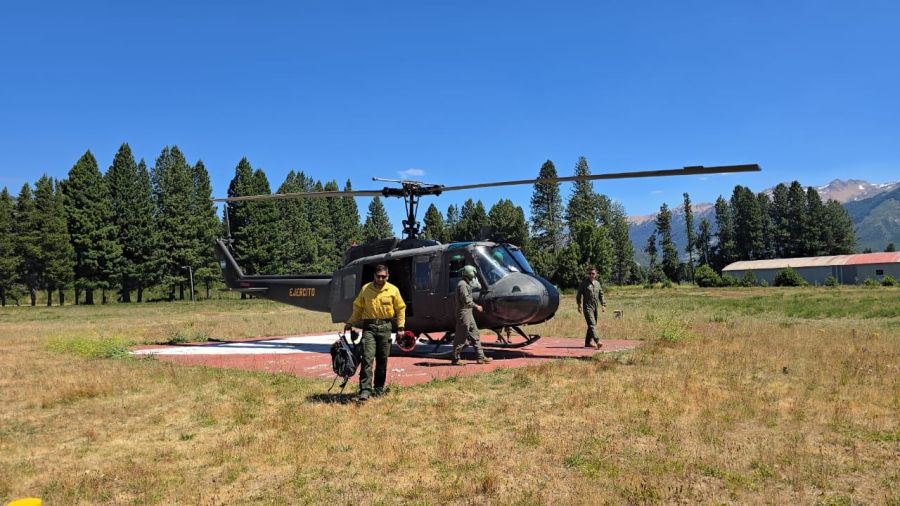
x: 309, y: 356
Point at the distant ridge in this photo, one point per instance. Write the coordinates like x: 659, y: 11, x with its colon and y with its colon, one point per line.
x: 873, y: 207
x: 850, y: 190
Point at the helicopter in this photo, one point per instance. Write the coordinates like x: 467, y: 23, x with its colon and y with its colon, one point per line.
x: 426, y: 272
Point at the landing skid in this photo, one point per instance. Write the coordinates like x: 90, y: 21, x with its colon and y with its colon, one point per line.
x: 507, y: 338
x: 507, y: 341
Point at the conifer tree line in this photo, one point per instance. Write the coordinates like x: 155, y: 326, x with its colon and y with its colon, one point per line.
x: 793, y: 222
x: 118, y: 233
x: 135, y: 228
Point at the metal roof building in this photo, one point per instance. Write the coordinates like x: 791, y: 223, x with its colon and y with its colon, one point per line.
x: 847, y: 269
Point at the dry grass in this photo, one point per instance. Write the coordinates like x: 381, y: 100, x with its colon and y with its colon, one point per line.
x: 739, y: 396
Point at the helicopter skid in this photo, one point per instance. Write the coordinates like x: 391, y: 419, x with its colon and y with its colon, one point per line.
x: 503, y: 342
x: 509, y: 345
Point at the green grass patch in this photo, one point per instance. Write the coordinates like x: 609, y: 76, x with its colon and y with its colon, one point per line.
x: 91, y: 346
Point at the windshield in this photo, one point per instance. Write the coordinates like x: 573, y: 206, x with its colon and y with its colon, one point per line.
x: 516, y: 253
x: 492, y: 262
x: 495, y: 262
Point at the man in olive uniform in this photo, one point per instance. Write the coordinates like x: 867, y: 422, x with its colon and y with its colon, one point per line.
x: 377, y: 307
x: 589, y: 294
x: 466, y: 329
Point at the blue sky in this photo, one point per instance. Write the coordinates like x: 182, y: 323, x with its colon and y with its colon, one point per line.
x: 459, y: 92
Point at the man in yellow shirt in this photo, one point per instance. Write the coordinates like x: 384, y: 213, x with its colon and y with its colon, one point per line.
x: 376, y: 307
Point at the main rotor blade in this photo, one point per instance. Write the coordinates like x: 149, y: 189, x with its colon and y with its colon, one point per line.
x: 303, y: 195
x: 686, y: 171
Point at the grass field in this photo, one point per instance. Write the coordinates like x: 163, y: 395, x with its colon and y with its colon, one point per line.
x: 738, y: 396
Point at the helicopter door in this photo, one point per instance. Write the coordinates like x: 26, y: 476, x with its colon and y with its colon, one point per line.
x: 426, y: 274
x: 345, y: 286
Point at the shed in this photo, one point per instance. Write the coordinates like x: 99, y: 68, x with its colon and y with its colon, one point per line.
x: 847, y: 269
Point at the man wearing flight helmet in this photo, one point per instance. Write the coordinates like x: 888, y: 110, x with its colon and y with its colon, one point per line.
x: 466, y: 329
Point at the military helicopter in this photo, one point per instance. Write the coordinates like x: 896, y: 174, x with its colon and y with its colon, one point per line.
x: 426, y: 271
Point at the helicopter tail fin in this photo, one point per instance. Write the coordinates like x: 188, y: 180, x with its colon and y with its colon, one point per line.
x: 230, y: 269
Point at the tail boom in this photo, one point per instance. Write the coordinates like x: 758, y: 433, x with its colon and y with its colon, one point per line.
x: 308, y: 292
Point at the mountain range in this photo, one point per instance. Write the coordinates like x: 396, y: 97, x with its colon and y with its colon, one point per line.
x: 873, y: 207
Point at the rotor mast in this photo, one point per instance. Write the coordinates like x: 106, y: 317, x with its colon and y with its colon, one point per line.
x: 411, y: 191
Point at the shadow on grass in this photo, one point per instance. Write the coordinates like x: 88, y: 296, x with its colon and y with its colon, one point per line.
x: 332, y: 398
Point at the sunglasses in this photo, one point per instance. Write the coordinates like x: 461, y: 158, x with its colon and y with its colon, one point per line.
x: 381, y: 276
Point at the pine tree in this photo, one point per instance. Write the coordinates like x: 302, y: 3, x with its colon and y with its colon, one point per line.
x: 691, y: 235
x: 507, y: 223
x: 726, y: 248
x: 133, y: 214
x: 604, y: 210
x: 54, y: 262
x: 26, y: 228
x: 9, y: 259
x: 890, y: 248
x: 207, y: 228
x: 766, y: 226
x: 378, y: 225
x: 623, y: 263
x: 546, y: 212
x: 669, y: 250
x: 841, y: 234
x: 451, y: 223
x: 583, y: 203
x: 318, y: 214
x: 346, y: 223
x: 595, y: 249
x: 780, y: 220
x: 568, y: 269
x: 472, y: 220
x: 173, y: 191
x: 651, y: 250
x: 266, y: 228
x: 814, y: 224
x: 92, y: 229
x: 256, y: 226
x: 704, y: 242
x: 796, y: 221
x: 144, y: 242
x: 239, y: 214
x: 434, y: 225
x: 748, y: 225
x: 299, y: 247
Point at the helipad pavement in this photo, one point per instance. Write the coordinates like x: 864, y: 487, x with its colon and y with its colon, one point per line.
x: 309, y: 356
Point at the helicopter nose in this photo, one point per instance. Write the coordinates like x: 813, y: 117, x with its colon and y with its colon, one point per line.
x: 551, y: 301
x: 520, y: 298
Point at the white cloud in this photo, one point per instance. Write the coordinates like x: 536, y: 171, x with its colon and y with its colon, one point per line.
x: 411, y: 173
x: 703, y: 178
x: 656, y: 192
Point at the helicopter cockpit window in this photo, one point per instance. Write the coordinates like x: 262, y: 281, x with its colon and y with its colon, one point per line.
x: 516, y: 253
x: 423, y: 273
x: 494, y: 263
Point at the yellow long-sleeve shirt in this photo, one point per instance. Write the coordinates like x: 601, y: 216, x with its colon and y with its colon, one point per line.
x: 375, y: 304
